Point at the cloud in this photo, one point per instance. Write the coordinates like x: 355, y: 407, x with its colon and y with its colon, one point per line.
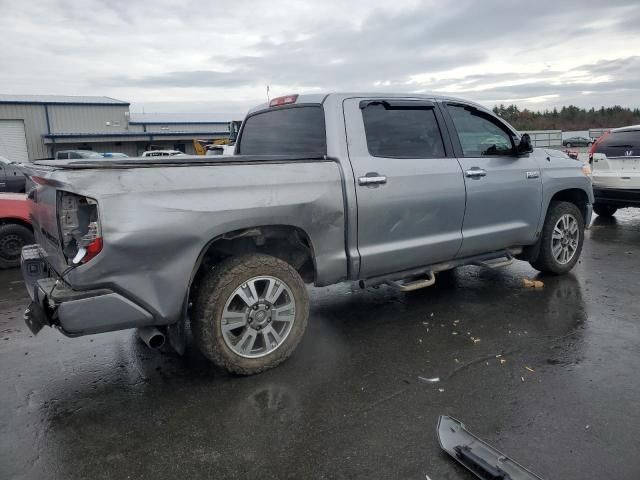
x: 189, y: 79
x: 182, y: 53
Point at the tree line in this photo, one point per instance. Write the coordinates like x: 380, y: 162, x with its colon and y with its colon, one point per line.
x: 568, y: 118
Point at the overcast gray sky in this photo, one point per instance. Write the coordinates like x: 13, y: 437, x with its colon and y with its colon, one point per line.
x: 204, y: 56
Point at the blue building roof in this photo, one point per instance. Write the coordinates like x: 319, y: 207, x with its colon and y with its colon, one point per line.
x: 60, y: 99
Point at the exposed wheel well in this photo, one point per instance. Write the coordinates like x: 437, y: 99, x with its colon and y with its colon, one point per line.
x: 287, y: 243
x: 573, y: 195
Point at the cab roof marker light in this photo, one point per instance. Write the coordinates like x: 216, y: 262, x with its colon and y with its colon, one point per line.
x: 286, y: 100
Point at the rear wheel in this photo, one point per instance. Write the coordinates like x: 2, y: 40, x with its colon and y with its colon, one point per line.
x: 250, y: 313
x: 12, y: 238
x: 604, y: 210
x: 561, y: 239
x: 568, y: 144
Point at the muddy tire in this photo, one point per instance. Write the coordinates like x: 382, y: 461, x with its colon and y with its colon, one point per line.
x: 604, y: 210
x: 250, y: 313
x: 561, y: 239
x: 12, y: 238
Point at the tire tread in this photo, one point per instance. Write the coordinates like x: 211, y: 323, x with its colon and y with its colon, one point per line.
x: 545, y: 262
x: 211, y: 296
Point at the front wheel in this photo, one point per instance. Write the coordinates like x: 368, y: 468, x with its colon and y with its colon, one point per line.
x: 250, y: 313
x: 568, y: 144
x: 604, y: 210
x: 561, y: 239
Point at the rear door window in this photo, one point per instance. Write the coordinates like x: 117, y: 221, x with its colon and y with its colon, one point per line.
x: 620, y: 144
x: 479, y: 134
x: 402, y: 132
x: 285, y: 131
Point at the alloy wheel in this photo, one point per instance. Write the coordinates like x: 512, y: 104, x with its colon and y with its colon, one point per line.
x: 258, y: 316
x: 565, y: 239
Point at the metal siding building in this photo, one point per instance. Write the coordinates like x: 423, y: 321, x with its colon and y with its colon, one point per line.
x: 41, y: 125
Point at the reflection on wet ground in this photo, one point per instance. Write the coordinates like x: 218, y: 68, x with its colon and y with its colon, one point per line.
x: 548, y: 375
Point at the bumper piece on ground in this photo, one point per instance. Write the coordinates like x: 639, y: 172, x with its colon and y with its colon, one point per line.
x: 477, y: 456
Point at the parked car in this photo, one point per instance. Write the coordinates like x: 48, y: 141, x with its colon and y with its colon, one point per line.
x: 375, y: 189
x: 220, y: 150
x: 77, y: 154
x: 115, y: 155
x: 577, y: 142
x: 11, y: 177
x: 161, y: 153
x: 15, y: 228
x: 615, y: 162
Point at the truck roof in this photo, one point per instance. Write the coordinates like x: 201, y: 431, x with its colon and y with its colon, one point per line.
x: 630, y: 128
x: 319, y: 98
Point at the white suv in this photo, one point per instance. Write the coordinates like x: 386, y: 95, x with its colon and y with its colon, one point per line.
x: 615, y: 162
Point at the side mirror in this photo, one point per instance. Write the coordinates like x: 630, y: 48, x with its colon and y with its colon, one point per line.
x: 524, y: 146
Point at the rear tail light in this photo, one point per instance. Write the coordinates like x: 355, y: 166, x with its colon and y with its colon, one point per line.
x: 79, y: 223
x: 286, y: 100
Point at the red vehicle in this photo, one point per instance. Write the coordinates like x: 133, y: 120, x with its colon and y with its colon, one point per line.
x: 572, y: 154
x: 15, y: 228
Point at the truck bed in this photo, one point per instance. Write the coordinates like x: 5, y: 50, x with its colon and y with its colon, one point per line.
x: 157, y: 219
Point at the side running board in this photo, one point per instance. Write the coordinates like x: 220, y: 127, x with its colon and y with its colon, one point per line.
x: 476, y: 455
x: 414, y: 284
x: 415, y: 278
x: 496, y: 262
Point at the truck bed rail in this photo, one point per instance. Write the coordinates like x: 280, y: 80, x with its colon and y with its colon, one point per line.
x: 180, y: 161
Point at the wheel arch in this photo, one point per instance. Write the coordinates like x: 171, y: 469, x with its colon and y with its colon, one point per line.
x: 577, y: 196
x: 15, y: 221
x: 286, y: 242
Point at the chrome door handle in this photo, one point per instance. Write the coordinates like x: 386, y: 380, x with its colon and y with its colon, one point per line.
x: 372, y: 180
x: 476, y: 172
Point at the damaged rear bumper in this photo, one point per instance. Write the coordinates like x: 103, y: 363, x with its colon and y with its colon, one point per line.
x: 75, y: 313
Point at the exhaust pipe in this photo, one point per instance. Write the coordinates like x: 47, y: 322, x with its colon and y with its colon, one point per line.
x: 152, y: 337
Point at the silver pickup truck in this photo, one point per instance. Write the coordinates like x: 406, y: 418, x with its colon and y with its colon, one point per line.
x: 373, y: 188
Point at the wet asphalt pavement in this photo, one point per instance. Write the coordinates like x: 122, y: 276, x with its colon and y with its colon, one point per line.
x: 564, y: 401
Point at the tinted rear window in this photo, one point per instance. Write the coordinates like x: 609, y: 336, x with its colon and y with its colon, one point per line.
x: 402, y: 132
x: 617, y: 144
x: 285, y: 131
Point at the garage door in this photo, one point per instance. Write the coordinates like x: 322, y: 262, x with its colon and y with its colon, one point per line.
x: 13, y: 141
